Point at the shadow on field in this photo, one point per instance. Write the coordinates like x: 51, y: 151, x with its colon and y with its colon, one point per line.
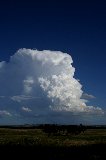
x: 90, y: 152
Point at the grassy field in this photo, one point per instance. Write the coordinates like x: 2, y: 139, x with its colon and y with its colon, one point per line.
x: 29, y: 142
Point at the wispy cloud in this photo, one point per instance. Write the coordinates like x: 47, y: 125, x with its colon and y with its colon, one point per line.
x: 88, y: 96
x: 2, y: 96
x: 20, y: 98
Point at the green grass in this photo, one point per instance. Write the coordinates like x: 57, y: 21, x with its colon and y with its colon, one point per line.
x: 89, y: 145
x: 33, y: 137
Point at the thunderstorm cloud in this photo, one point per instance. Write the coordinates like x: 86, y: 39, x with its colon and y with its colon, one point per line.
x: 41, y: 84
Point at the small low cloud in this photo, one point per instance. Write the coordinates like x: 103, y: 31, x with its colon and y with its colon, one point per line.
x: 26, y: 109
x: 4, y: 113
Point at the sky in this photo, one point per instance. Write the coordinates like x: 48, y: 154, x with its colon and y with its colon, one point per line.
x: 74, y: 27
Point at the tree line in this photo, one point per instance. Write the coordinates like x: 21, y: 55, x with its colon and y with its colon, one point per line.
x: 53, y: 129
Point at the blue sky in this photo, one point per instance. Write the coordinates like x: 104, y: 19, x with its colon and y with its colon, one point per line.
x: 76, y: 27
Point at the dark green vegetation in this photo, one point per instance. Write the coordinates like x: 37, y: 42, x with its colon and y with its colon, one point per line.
x: 28, y: 142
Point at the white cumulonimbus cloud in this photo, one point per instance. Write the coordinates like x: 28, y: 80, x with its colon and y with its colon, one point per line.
x: 43, y: 80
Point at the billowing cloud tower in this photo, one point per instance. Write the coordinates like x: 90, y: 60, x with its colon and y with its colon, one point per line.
x: 40, y: 83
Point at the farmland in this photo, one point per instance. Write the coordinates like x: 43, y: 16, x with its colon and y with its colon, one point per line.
x: 89, y: 144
